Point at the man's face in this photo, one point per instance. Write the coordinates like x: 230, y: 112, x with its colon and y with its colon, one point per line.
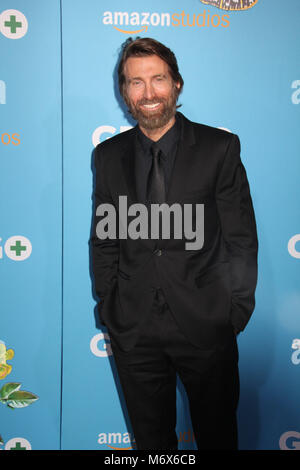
x: 150, y: 92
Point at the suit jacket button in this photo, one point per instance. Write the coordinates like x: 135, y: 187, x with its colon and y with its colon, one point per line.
x: 158, y: 252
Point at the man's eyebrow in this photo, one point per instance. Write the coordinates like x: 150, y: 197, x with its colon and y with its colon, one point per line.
x: 163, y: 75
x: 134, y: 78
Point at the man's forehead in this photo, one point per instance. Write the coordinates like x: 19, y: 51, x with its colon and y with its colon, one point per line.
x: 145, y: 65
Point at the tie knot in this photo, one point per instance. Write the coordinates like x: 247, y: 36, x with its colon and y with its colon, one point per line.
x: 155, y: 150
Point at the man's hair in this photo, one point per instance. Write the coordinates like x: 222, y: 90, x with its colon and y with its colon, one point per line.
x: 142, y: 47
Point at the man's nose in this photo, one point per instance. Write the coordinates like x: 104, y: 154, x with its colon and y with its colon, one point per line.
x: 149, y: 91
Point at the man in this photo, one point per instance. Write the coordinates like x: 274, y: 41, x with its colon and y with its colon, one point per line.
x: 168, y: 309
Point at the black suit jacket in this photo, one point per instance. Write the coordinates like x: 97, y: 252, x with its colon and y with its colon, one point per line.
x: 210, y: 291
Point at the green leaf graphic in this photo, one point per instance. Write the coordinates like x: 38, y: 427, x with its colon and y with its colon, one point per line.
x: 7, y: 389
x: 20, y: 399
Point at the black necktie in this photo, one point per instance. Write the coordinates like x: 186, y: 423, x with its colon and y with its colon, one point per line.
x: 156, y: 191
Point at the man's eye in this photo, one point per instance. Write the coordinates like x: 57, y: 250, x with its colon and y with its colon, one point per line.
x: 136, y: 82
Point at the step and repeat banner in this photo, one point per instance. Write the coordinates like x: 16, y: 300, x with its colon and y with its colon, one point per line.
x: 58, y: 99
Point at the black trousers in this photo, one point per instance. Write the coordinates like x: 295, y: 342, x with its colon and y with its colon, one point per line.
x: 148, y: 378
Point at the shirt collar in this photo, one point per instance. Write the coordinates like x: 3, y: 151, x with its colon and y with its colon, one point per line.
x: 165, y: 142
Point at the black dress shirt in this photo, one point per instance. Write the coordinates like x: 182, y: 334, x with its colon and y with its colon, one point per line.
x: 143, y: 158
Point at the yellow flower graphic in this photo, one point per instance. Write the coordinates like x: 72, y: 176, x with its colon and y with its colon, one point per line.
x: 5, y: 354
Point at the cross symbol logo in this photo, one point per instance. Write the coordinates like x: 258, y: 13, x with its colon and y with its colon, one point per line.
x: 18, y: 447
x: 18, y: 443
x: 18, y: 248
x: 13, y: 24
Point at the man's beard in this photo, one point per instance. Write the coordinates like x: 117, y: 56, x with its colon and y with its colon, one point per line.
x: 154, y: 120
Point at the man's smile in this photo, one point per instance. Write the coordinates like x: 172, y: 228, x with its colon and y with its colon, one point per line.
x: 151, y: 106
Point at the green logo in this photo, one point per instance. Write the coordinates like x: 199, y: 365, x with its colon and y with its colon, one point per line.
x: 18, y: 443
x: 13, y: 24
x: 18, y: 446
x: 18, y: 248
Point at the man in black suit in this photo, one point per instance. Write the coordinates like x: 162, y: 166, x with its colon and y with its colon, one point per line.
x: 169, y: 307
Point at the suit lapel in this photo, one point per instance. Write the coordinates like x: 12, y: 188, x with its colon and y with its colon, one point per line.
x: 185, y: 153
x: 128, y: 170
x: 128, y: 166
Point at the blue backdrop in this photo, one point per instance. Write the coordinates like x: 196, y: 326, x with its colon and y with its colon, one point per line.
x: 58, y: 99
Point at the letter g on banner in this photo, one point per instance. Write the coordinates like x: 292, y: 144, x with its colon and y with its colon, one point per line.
x: 287, y: 442
x: 97, y: 134
x: 106, y: 348
x: 292, y: 246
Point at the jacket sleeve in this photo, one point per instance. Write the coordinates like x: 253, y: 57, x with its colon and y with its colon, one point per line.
x: 238, y: 227
x: 105, y: 252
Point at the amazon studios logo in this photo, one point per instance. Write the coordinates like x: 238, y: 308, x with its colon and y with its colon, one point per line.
x: 296, y: 94
x: 116, y: 440
x: 134, y: 22
x: 296, y: 354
